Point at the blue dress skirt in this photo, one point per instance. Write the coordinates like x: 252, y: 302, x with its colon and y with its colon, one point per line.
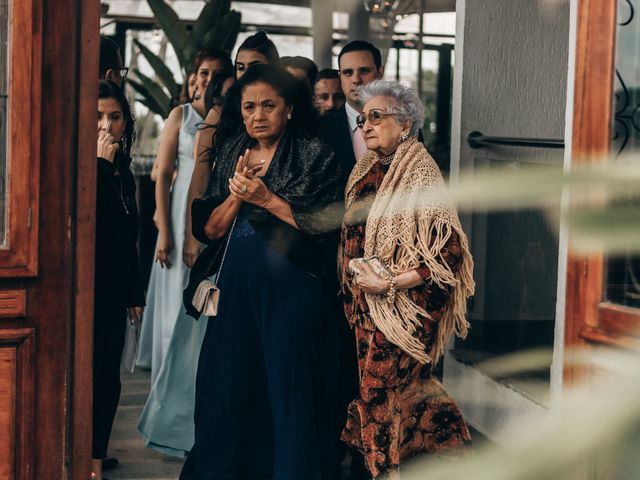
x: 265, y: 387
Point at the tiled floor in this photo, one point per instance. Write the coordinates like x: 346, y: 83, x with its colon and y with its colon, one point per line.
x: 136, y: 461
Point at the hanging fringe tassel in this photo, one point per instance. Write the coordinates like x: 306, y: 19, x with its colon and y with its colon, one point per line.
x: 399, y: 322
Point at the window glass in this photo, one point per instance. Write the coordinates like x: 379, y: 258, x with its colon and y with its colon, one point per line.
x: 623, y: 272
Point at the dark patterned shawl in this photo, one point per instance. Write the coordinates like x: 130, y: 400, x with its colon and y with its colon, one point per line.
x: 303, y: 172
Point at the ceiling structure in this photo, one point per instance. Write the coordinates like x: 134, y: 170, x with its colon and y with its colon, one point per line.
x: 405, y: 7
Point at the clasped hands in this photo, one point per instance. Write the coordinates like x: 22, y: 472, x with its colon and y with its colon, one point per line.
x: 366, y: 279
x: 245, y: 185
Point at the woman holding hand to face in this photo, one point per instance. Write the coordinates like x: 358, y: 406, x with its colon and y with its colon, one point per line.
x: 118, y: 286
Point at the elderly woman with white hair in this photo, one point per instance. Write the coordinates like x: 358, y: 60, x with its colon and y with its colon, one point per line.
x: 406, y: 275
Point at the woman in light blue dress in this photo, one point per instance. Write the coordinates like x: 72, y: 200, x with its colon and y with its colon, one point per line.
x: 169, y: 273
x: 174, y: 164
x: 170, y: 341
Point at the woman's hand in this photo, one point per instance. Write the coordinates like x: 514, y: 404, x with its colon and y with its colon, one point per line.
x: 165, y: 245
x: 190, y: 250
x: 367, y: 280
x: 107, y: 146
x: 247, y: 187
x: 135, y: 314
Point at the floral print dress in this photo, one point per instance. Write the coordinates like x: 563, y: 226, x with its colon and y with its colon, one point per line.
x: 402, y: 410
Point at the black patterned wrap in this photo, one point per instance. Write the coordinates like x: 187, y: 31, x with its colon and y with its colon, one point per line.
x: 303, y: 172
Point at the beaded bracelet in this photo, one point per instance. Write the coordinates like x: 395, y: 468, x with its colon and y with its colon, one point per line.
x: 391, y: 293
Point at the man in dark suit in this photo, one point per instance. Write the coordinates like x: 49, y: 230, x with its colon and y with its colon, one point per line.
x: 359, y: 63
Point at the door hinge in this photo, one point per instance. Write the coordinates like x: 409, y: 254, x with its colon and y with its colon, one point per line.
x: 29, y: 218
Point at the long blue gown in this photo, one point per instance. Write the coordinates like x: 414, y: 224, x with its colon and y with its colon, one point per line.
x: 265, y: 388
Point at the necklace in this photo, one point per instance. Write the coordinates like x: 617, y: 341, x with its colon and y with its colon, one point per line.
x: 121, y: 192
x: 387, y: 159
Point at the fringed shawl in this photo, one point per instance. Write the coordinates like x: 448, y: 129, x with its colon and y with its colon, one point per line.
x: 409, y: 223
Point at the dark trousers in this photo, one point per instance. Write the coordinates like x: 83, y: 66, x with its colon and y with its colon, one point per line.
x: 108, y: 341
x: 266, y: 377
x: 348, y: 390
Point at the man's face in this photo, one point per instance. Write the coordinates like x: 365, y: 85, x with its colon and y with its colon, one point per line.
x: 357, y: 68
x: 328, y: 95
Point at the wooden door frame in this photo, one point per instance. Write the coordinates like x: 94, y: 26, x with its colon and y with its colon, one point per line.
x: 52, y: 290
x: 589, y: 320
x: 87, y: 67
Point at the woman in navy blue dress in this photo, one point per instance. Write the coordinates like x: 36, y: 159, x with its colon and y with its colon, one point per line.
x: 264, y: 390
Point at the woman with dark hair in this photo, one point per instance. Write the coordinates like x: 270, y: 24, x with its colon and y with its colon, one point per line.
x: 264, y: 393
x: 118, y: 285
x: 167, y: 419
x: 302, y: 68
x: 214, y: 101
x: 257, y: 48
x: 169, y: 275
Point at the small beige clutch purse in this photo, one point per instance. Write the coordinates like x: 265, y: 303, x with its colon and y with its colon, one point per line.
x: 206, y: 298
x: 207, y: 295
x: 376, y: 264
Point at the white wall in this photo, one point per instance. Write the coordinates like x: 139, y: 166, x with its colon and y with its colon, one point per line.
x: 510, y: 79
x: 515, y: 71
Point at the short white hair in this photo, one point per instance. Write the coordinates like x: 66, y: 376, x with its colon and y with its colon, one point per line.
x: 407, y: 105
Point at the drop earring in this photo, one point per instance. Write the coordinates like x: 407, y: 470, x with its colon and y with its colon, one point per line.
x: 288, y: 116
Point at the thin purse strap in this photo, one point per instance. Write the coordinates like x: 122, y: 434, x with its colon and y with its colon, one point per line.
x: 226, y: 247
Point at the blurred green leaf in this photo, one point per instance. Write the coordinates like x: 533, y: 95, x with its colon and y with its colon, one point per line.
x: 176, y: 31
x: 211, y: 13
x: 163, y: 72
x: 225, y: 32
x: 614, y: 229
x: 216, y: 27
x: 155, y: 92
x: 542, y: 186
x: 596, y: 424
x: 145, y: 98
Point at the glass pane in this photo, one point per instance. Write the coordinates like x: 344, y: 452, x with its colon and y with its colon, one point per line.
x: 4, y: 97
x: 623, y: 272
x: 514, y: 307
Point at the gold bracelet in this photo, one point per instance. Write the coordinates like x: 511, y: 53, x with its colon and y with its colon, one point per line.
x: 264, y: 205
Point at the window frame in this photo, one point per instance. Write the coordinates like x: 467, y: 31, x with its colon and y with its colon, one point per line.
x: 589, y: 318
x: 19, y: 254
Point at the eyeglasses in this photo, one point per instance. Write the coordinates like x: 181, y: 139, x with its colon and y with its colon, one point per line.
x: 374, y: 116
x: 124, y: 71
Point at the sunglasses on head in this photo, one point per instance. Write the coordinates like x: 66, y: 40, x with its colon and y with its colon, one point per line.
x: 374, y: 116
